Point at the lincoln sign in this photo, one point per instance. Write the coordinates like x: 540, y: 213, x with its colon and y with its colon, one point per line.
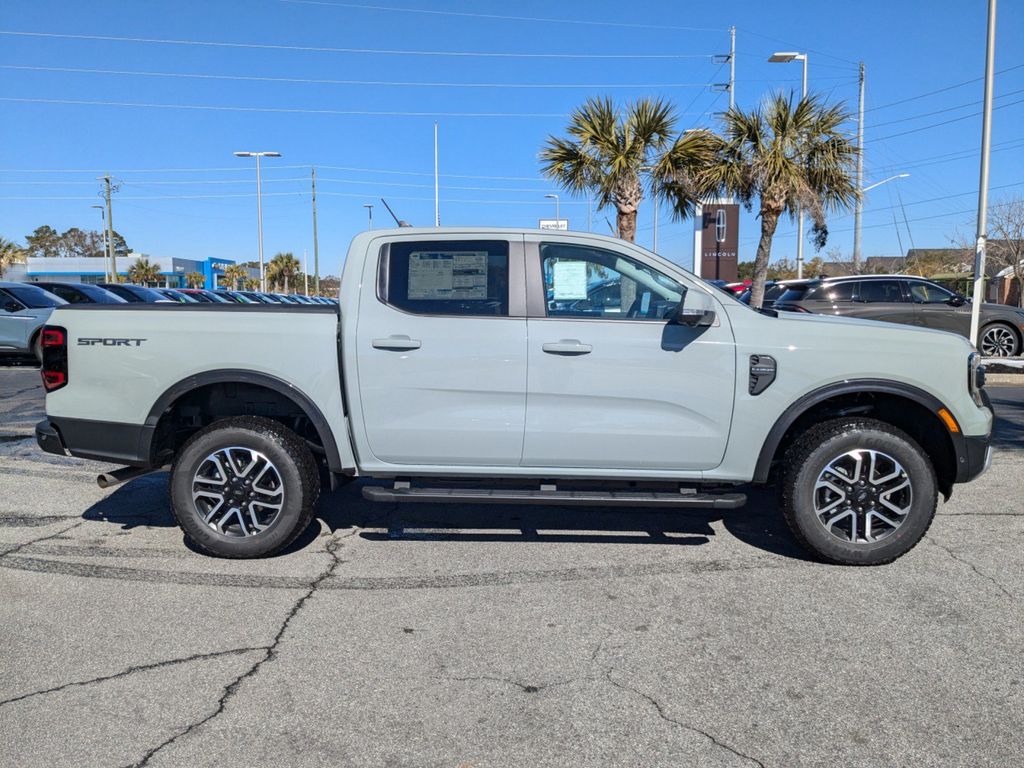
x: 719, y: 241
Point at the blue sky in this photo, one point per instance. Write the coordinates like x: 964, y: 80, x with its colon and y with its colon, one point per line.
x: 51, y: 151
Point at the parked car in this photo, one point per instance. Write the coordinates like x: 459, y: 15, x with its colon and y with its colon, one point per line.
x: 773, y: 289
x: 452, y: 364
x: 137, y: 294
x: 81, y: 293
x: 737, y: 288
x: 175, y: 295
x: 257, y: 297
x: 24, y: 309
x: 206, y: 297
x: 235, y: 297
x: 909, y: 300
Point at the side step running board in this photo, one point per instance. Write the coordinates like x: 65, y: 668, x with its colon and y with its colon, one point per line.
x: 574, y: 498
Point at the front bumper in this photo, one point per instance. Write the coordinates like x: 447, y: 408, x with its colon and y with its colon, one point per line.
x: 974, y: 459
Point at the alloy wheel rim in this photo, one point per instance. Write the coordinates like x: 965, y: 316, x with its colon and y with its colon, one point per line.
x: 237, y: 491
x: 998, y: 342
x: 862, y: 496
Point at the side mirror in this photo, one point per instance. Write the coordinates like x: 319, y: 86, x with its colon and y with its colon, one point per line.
x: 696, y: 310
x: 956, y: 300
x: 12, y: 306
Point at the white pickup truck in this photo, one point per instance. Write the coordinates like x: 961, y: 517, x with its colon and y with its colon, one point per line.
x: 519, y: 366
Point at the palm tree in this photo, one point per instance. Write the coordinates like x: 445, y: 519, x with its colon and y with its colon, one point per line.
x: 283, y: 266
x: 195, y: 280
x: 10, y: 253
x: 613, y: 154
x: 143, y: 272
x: 250, y: 284
x: 235, y: 274
x: 787, y: 156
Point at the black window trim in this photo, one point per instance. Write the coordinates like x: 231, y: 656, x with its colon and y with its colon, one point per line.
x: 516, y: 278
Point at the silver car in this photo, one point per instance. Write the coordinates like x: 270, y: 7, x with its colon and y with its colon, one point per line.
x: 24, y: 309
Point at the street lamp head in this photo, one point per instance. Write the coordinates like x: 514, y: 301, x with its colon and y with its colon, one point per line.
x: 271, y: 154
x: 243, y: 154
x: 552, y: 197
x: 782, y: 57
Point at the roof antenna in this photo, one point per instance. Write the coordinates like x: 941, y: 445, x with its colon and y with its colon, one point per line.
x: 398, y: 221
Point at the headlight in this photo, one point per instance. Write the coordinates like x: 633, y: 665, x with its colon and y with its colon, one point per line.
x: 975, y: 377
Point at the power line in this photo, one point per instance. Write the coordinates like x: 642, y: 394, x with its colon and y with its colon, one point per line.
x: 328, y: 81
x: 280, y: 110
x: 962, y: 154
x: 944, y: 110
x: 939, y: 90
x: 795, y: 46
x: 503, y: 18
x: 377, y: 51
x: 945, y: 122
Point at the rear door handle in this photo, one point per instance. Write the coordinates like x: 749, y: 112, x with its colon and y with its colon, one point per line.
x: 397, y: 342
x: 567, y: 347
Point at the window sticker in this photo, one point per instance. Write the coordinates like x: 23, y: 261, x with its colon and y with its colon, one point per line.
x: 448, y: 275
x: 570, y: 280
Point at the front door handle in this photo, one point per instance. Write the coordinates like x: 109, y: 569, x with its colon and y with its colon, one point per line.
x: 397, y: 342
x: 567, y: 347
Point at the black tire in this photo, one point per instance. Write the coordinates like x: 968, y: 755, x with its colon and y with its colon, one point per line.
x: 999, y: 340
x: 820, y: 452
x: 297, y: 479
x: 37, y: 347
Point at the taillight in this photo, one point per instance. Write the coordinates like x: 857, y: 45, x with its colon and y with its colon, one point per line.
x: 54, y: 341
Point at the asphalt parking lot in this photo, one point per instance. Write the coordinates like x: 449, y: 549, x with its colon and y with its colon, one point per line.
x: 493, y: 636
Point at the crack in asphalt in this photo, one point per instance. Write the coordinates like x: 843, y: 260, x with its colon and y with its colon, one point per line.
x: 132, y: 670
x: 269, y: 653
x: 29, y: 543
x: 974, y: 568
x: 661, y: 713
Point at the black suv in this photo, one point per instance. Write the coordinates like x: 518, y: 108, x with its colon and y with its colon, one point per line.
x: 911, y: 301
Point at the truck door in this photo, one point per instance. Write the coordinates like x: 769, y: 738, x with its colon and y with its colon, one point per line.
x: 612, y: 383
x: 442, y: 351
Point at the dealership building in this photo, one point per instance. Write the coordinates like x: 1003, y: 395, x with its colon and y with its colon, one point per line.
x: 91, y: 269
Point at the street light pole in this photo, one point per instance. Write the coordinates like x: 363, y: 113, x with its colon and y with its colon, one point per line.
x: 369, y: 213
x: 986, y: 134
x: 558, y: 216
x: 316, y: 243
x: 782, y: 57
x: 859, y: 210
x: 259, y: 207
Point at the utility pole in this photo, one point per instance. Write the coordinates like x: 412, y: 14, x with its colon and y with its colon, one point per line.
x: 859, y: 210
x: 986, y: 134
x: 316, y: 245
x: 110, y: 231
x: 437, y: 202
x: 103, y: 232
x: 732, y: 67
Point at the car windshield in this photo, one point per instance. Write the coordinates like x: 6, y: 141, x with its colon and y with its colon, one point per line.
x: 34, y: 298
x: 794, y: 293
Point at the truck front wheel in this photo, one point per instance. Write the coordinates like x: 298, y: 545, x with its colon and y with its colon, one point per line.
x: 858, y: 491
x: 244, y: 487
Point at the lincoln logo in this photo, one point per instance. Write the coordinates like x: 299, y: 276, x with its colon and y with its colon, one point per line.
x: 87, y: 342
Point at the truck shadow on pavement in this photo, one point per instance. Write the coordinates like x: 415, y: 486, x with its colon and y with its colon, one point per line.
x: 144, y: 503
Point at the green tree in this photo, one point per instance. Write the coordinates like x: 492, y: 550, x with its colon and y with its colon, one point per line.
x: 234, y: 274
x: 76, y: 242
x: 785, y: 155
x: 613, y: 154
x: 283, y: 268
x: 10, y: 253
x: 195, y: 280
x: 43, y: 242
x: 144, y: 272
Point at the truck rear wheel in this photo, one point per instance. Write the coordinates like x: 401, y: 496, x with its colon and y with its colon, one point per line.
x: 244, y: 487
x: 858, y: 491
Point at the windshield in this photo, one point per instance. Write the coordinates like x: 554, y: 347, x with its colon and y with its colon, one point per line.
x: 34, y: 298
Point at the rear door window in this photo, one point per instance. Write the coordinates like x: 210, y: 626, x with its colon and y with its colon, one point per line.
x: 447, y: 277
x: 839, y: 291
x: 872, y: 291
